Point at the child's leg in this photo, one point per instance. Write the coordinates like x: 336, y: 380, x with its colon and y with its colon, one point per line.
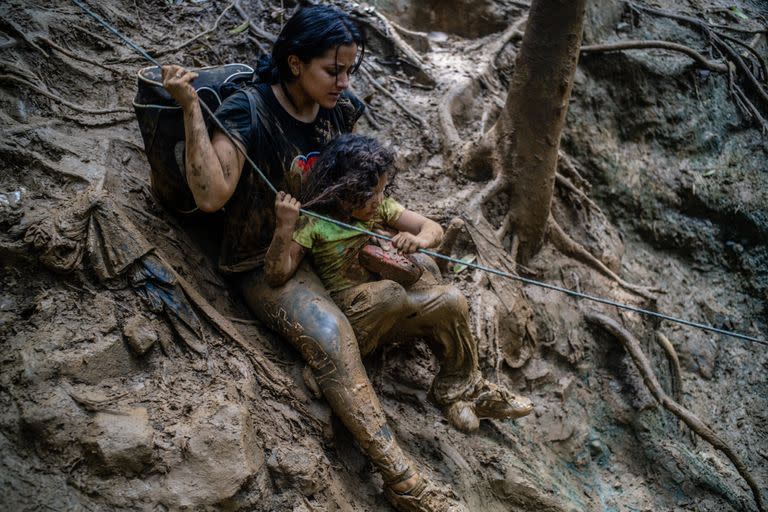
x: 441, y: 315
x: 372, y: 309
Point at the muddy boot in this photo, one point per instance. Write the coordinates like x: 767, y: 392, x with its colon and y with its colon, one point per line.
x: 492, y: 401
x: 425, y: 497
x: 487, y: 400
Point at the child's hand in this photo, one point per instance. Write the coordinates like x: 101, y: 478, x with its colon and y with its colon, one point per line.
x: 407, y: 242
x: 286, y: 211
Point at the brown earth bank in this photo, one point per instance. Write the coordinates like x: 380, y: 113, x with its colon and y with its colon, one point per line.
x: 113, y: 400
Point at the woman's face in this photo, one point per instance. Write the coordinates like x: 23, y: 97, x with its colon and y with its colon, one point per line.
x: 325, y: 77
x: 366, y: 212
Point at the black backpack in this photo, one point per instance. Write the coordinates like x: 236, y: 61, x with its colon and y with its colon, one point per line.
x: 161, y: 122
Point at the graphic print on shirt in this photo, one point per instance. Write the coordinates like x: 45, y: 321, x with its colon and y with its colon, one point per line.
x: 300, y: 167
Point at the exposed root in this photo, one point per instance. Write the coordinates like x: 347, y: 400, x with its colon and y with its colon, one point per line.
x: 451, y: 139
x: 75, y: 56
x: 674, y: 370
x: 569, y: 170
x: 633, y: 348
x: 449, y: 240
x: 198, y: 36
x: 421, y: 122
x: 717, y: 41
x: 61, y: 100
x: 568, y: 185
x: 653, y: 44
x: 46, y: 165
x: 569, y: 247
x: 488, y: 192
x: 15, y: 28
x: 255, y: 29
x: 401, y: 45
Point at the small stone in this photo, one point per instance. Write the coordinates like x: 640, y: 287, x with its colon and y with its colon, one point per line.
x: 564, y: 387
x: 139, y: 334
x: 121, y: 442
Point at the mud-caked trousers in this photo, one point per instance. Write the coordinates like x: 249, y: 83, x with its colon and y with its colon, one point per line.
x: 302, y: 312
x: 333, y: 340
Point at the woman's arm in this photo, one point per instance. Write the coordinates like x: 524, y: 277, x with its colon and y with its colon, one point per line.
x: 284, y: 255
x: 213, y: 165
x: 416, y: 232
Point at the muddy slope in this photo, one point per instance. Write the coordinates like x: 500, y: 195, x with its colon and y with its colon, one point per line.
x: 107, y: 404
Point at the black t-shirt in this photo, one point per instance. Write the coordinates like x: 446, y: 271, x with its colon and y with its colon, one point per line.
x: 284, y: 148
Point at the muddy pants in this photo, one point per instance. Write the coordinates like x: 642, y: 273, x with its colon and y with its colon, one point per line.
x: 302, y: 312
x: 383, y: 311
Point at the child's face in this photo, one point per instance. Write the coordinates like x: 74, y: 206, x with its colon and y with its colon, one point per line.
x: 367, y: 211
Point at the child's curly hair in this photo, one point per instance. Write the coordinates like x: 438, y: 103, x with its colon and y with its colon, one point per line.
x: 348, y: 168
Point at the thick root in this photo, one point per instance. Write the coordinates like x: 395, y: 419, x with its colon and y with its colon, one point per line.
x: 569, y: 247
x: 633, y: 348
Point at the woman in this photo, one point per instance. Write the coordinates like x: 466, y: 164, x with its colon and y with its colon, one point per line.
x: 300, y: 104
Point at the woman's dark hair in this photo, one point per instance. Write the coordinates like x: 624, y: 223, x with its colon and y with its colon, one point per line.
x: 309, y: 33
x: 348, y: 169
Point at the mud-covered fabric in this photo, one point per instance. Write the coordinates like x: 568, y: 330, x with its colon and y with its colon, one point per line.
x: 334, y: 250
x: 284, y: 148
x: 384, y: 311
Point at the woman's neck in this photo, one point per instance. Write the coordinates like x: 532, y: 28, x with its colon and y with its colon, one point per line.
x: 295, y: 101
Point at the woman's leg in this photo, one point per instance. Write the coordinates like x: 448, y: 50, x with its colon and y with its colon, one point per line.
x: 302, y: 312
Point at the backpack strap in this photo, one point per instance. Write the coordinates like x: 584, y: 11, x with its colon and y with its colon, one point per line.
x: 250, y: 93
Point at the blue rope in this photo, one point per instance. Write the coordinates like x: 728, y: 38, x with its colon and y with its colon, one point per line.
x: 483, y: 268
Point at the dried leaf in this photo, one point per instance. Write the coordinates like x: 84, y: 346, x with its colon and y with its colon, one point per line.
x: 469, y: 258
x: 240, y: 28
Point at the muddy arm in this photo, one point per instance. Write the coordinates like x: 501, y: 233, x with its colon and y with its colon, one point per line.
x: 416, y: 232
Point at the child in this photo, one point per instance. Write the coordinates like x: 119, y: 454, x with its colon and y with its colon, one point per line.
x: 348, y: 182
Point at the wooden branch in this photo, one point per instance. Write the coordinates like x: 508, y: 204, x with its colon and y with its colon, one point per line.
x: 409, y: 112
x: 398, y: 41
x: 257, y: 31
x: 633, y: 348
x: 198, y: 36
x: 61, y: 100
x: 654, y: 44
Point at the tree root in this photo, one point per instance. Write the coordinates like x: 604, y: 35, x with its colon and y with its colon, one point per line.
x: 421, y: 122
x: 568, y: 185
x: 652, y: 44
x: 632, y: 346
x: 451, y: 137
x: 198, y: 36
x: 675, y: 372
x: 61, y: 100
x: 569, y: 247
x: 400, y: 44
x: 75, y: 56
x: 718, y: 43
x: 449, y: 240
x: 30, y: 41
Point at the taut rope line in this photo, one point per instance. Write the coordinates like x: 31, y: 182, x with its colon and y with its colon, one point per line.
x: 515, y: 277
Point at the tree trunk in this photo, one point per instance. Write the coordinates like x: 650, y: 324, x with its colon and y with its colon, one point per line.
x: 524, y: 142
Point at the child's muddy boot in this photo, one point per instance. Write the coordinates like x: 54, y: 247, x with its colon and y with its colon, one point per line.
x: 492, y: 401
x: 425, y: 497
x: 487, y: 400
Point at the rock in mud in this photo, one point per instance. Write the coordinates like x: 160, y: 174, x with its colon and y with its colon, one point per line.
x: 139, y: 334
x: 221, y: 454
x: 121, y: 442
x: 299, y: 467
